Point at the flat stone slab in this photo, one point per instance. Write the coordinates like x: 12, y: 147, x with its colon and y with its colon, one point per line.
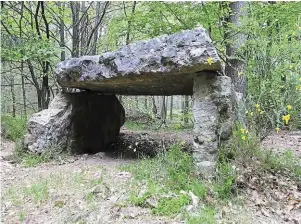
x: 161, y: 66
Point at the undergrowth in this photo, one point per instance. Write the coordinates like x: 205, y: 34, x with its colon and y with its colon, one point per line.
x: 33, y: 159
x: 13, y: 128
x: 169, y: 180
x: 165, y: 183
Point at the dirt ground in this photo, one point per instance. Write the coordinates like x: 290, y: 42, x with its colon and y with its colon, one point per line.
x: 93, y: 189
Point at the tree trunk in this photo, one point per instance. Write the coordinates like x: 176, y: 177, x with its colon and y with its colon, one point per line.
x: 235, y: 67
x: 23, y: 90
x: 186, y: 109
x: 137, y: 102
x: 170, y: 108
x: 83, y: 29
x: 94, y: 47
x: 129, y: 23
x: 75, y: 8
x: 61, y: 5
x: 22, y: 64
x: 46, y: 64
x: 12, y: 90
x: 145, y: 102
x: 154, y: 108
x: 163, y: 112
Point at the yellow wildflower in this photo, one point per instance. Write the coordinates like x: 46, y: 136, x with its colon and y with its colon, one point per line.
x: 286, y: 118
x: 251, y: 114
x: 298, y: 87
x: 210, y: 60
x: 261, y: 112
x: 240, y: 73
x: 277, y: 129
x: 243, y: 137
x: 242, y: 130
x: 257, y: 106
x: 289, y: 107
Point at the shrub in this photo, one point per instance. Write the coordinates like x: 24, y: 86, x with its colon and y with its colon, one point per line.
x: 13, y: 128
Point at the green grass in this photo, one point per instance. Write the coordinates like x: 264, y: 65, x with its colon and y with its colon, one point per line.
x: 35, y: 159
x: 13, y: 127
x: 167, y: 179
x: 38, y: 192
x: 242, y: 152
x: 279, y: 163
x: 21, y: 216
x: 173, y: 205
x: 205, y: 215
x: 134, y: 126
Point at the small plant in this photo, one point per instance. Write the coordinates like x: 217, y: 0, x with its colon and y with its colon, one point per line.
x: 206, y: 215
x: 133, y: 126
x: 225, y: 183
x: 279, y: 163
x: 166, y: 178
x: 21, y: 216
x: 171, y: 206
x: 13, y: 128
x: 38, y: 192
x: 34, y: 159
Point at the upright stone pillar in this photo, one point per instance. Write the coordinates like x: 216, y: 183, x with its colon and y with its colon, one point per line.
x: 214, y: 116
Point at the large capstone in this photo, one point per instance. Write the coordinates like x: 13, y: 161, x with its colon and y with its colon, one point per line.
x: 83, y: 122
x: 161, y: 66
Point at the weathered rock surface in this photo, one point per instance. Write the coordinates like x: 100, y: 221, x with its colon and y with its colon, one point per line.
x: 160, y: 66
x: 84, y: 122
x: 214, y: 116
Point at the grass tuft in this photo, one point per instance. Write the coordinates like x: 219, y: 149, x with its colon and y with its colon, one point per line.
x: 13, y: 128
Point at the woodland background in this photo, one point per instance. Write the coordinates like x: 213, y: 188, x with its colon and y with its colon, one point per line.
x: 258, y: 42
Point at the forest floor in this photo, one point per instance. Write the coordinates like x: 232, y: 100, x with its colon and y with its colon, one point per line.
x: 94, y: 189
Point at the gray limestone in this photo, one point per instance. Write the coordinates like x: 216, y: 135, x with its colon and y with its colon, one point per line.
x: 161, y: 66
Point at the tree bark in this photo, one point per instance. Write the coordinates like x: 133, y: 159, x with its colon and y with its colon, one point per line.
x: 163, y: 112
x: 154, y: 107
x: 23, y: 89
x: 13, y: 95
x: 129, y: 23
x: 145, y: 102
x: 186, y: 109
x: 234, y: 66
x: 75, y: 8
x: 94, y: 47
x: 83, y: 29
x: 171, y: 108
x: 61, y: 5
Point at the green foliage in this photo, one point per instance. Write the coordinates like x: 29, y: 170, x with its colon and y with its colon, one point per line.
x: 173, y: 205
x: 21, y: 216
x: 34, y: 159
x: 239, y: 151
x: 286, y: 162
x: 206, y: 215
x: 38, y: 192
x: 169, y: 177
x: 133, y: 126
x: 272, y: 64
x: 13, y: 128
x: 225, y: 183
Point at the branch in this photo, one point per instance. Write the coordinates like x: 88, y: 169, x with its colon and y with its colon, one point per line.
x: 97, y: 25
x: 36, y: 19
